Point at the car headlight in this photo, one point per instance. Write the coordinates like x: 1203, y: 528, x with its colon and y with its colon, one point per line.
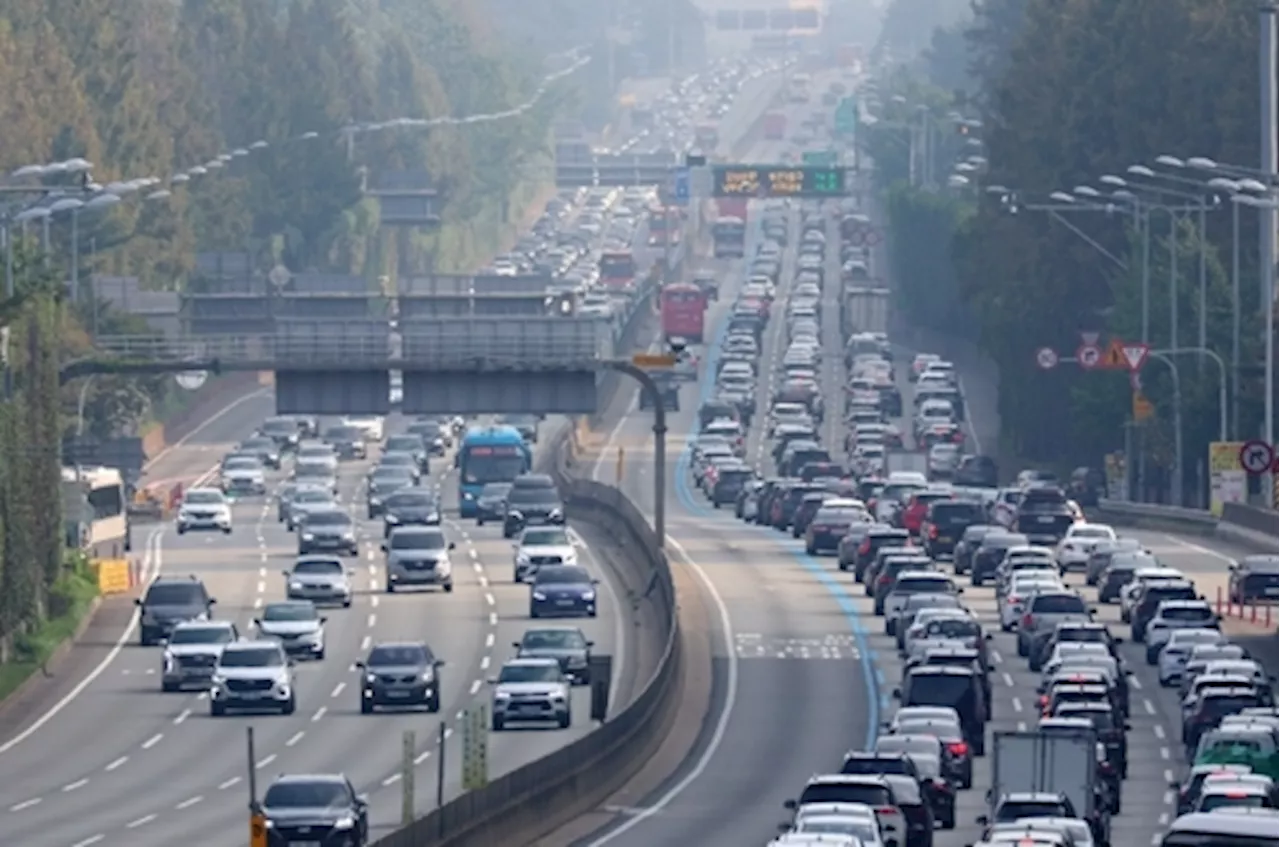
x: 538, y: 595
x: 217, y: 680
x: 433, y: 517
x: 348, y: 536
x: 428, y: 675
x: 555, y: 514
x: 308, y: 536
x: 168, y: 661
x: 467, y: 495
x: 522, y: 558
x: 588, y: 596
x: 203, y: 616
x: 375, y: 501
x: 282, y: 684
x: 344, y: 822
x: 295, y: 586
x: 392, y: 519
x: 515, y: 516
x: 370, y: 678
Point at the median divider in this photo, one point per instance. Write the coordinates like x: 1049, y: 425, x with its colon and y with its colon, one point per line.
x: 539, y: 797
x: 1251, y: 527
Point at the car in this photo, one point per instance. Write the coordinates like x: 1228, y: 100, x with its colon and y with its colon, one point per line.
x: 265, y: 448
x: 418, y: 555
x: 909, y: 583
x: 315, y: 809
x: 253, y: 675
x: 1077, y: 545
x: 531, y: 690
x: 1177, y: 650
x: 567, y: 645
x: 1255, y: 578
x: 399, y: 674
x: 491, y: 503
x: 348, y: 442
x: 307, y: 498
x: 327, y: 529
x: 410, y: 507
x: 540, y: 547
x: 243, y: 475
x: 192, y: 652
x: 870, y: 790
x: 296, y: 624
x: 562, y: 590
x: 1043, y: 612
x: 319, y: 579
x: 1168, y: 616
x: 283, y: 430
x: 385, y: 481
x: 532, y: 501
x: 371, y: 427
x: 204, y: 509
x: 414, y: 445
x: 170, y: 601
x: 958, y: 689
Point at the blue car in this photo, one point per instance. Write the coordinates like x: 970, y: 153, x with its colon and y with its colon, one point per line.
x: 562, y: 591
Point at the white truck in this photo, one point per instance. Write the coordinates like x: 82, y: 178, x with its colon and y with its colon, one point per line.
x: 864, y: 309
x: 1050, y: 763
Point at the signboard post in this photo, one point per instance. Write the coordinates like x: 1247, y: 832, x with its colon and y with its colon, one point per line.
x: 846, y: 117
x: 475, y: 747
x: 1228, y: 481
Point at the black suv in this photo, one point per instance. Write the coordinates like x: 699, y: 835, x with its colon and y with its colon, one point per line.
x: 406, y: 674
x: 954, y: 687
x: 315, y: 809
x: 990, y: 554
x: 532, y: 501
x: 945, y: 523
x: 168, y: 602
x: 1043, y: 515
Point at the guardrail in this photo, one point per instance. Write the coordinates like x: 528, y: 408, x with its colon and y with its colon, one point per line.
x: 539, y: 797
x: 1248, y: 526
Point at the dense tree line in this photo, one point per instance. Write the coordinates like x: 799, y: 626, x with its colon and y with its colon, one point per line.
x: 1068, y: 92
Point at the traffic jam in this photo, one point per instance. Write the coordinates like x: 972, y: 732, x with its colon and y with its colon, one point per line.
x: 1022, y: 649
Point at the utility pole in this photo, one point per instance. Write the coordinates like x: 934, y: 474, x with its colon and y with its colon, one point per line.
x: 1267, y: 71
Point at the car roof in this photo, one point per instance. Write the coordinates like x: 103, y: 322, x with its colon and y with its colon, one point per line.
x: 252, y: 644
x: 285, y: 779
x: 530, y: 662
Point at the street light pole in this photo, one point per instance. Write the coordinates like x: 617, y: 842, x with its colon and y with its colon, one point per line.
x: 1235, y: 319
x: 650, y: 387
x: 1175, y: 486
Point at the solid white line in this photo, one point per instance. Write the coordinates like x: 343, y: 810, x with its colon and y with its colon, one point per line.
x: 722, y: 721
x: 25, y: 804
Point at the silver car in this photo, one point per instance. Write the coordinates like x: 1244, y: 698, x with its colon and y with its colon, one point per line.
x: 253, y: 675
x: 296, y: 625
x: 306, y: 498
x: 320, y: 579
x: 418, y: 555
x: 244, y: 475
x: 541, y: 546
x: 191, y: 653
x: 532, y: 690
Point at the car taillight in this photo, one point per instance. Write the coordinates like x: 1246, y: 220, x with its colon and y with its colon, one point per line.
x: 886, y: 810
x: 1014, y: 598
x: 865, y: 546
x: 1027, y: 620
x: 959, y: 748
x: 933, y: 532
x: 958, y: 437
x: 885, y: 579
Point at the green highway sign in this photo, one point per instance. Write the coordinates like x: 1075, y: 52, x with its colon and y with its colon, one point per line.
x: 819, y: 157
x: 846, y: 121
x: 777, y: 181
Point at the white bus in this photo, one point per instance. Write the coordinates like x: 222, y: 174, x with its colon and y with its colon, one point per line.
x: 95, y: 506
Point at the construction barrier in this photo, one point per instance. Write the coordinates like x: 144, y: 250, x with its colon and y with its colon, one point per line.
x: 1253, y: 611
x: 115, y: 576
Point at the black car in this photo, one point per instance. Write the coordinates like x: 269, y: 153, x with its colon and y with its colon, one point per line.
x: 410, y: 507
x: 284, y: 431
x: 398, y: 675
x: 383, y: 482
x: 347, y: 441
x: 977, y: 471
x: 327, y: 529
x: 876, y: 538
x: 168, y: 602
x: 532, y: 501
x: 957, y: 688
x: 945, y: 523
x: 414, y: 445
x: 567, y: 645
x: 1043, y: 515
x: 491, y: 504
x: 967, y: 546
x: 990, y: 554
x: 730, y: 482
x: 265, y: 448
x: 315, y: 809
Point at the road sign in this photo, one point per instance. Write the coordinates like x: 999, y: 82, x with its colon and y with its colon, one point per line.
x: 1088, y: 355
x: 1142, y: 408
x: 816, y: 181
x: 680, y: 188
x: 1113, y: 359
x: 654, y: 360
x: 1090, y: 339
x: 475, y: 747
x: 1256, y: 457
x: 1046, y: 358
x: 1135, y: 355
x: 819, y: 157
x: 846, y: 117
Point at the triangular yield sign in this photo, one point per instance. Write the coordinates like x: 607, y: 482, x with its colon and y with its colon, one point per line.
x: 1135, y: 355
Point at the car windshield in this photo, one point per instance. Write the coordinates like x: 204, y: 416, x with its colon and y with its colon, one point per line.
x: 173, y: 595
x: 313, y: 566
x: 566, y: 575
x: 254, y: 657
x: 285, y: 612
x: 312, y: 496
x: 410, y: 500
x: 1187, y: 613
x: 532, y: 497
x: 303, y: 795
x: 1059, y: 604
x: 545, y: 538
x: 529, y: 673
x: 495, y: 490
x: 484, y: 464
x: 559, y: 639
x: 202, y: 635
x: 956, y: 627
x: 404, y: 443
x: 865, y: 830
x: 392, y: 474
x: 418, y: 540
x: 242, y: 463
x: 312, y: 469
x: 907, y: 744
x: 937, y: 689
x: 203, y: 498
x: 922, y: 585
x: 328, y: 519
x: 398, y: 461
x: 343, y: 433
x: 396, y: 655
x: 280, y: 426
x: 1233, y: 800
x: 259, y: 444
x: 1016, y: 810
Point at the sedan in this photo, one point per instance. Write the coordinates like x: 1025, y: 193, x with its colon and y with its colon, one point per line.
x: 563, y: 590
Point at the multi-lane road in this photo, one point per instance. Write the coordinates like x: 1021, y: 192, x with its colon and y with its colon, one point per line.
x: 802, y: 670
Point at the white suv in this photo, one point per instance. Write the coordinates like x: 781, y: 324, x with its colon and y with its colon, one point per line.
x: 204, y: 508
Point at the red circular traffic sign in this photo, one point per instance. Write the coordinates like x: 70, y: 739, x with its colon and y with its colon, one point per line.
x: 1088, y: 356
x: 1257, y: 457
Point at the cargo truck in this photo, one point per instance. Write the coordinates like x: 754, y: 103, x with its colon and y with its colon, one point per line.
x: 1059, y: 763
x: 864, y: 309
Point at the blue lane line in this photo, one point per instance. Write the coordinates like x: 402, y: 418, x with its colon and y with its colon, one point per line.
x: 873, y: 677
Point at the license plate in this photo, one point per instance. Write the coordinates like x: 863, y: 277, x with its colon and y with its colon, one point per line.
x: 1046, y: 520
x: 397, y: 693
x: 564, y: 602
x: 252, y: 695
x: 944, y: 539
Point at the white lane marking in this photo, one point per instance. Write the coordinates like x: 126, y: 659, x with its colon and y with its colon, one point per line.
x: 373, y: 620
x: 493, y: 619
x: 1017, y: 704
x: 484, y: 581
x: 1008, y: 680
x: 391, y: 780
x: 365, y: 642
x: 72, y: 786
x: 484, y: 664
x: 295, y: 738
x: 25, y: 804
x: 422, y: 757
x: 1198, y: 548
x: 1135, y: 684
x: 92, y: 839
x: 488, y: 598
x: 1146, y: 704
x: 1164, y: 753
x: 257, y: 602
x: 319, y: 713
x: 142, y: 821
x: 475, y: 686
x: 227, y: 783
x: 488, y: 641
x: 1168, y: 775
x: 115, y: 764
x: 262, y: 586
x: 265, y: 760
x: 1159, y: 730
x: 182, y: 716
x: 373, y: 601
x: 189, y: 802
x: 152, y: 741
x: 996, y: 657
x: 722, y: 721
x: 262, y: 572
x: 337, y: 689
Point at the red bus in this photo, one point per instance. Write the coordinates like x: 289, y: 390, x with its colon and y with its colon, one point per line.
x: 683, y: 307
x: 618, y: 270
x: 664, y: 224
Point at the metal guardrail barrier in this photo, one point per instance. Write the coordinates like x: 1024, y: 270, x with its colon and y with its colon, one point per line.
x: 546, y: 793
x: 1246, y: 525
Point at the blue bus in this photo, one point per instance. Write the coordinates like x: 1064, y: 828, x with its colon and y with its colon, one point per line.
x: 489, y: 454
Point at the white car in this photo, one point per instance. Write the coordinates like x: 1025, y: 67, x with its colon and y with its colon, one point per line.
x: 1173, y: 615
x: 372, y: 426
x: 296, y: 624
x: 244, y: 475
x: 1077, y: 545
x: 893, y: 824
x: 539, y: 546
x: 204, y: 508
x: 1177, y: 650
x: 531, y: 690
x: 856, y: 819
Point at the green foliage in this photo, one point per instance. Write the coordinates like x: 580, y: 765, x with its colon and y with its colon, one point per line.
x: 921, y: 225
x: 70, y: 598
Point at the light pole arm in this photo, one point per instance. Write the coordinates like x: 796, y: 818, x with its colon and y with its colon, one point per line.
x: 650, y: 388
x: 1222, y: 378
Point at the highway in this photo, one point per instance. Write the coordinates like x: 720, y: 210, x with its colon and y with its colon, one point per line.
x: 803, y: 671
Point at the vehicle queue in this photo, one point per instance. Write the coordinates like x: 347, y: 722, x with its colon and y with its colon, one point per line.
x: 906, y: 515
